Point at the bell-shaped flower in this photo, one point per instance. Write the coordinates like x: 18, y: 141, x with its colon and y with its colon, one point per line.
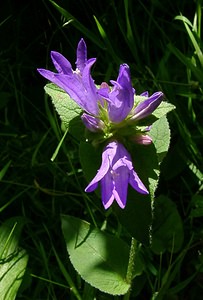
x: 115, y: 173
x: 121, y: 98
x: 147, y: 106
x: 77, y: 83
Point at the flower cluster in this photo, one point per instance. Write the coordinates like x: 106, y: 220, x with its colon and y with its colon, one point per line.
x: 112, y: 112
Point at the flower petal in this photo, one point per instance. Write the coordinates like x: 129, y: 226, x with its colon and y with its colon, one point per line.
x: 53, y: 77
x: 147, y: 107
x: 145, y: 94
x: 136, y: 183
x: 92, y: 123
x: 115, y: 173
x: 134, y: 180
x: 121, y: 186
x: 81, y: 89
x: 81, y: 55
x: 61, y: 64
x: 122, y: 95
x: 107, y: 188
x: 107, y: 157
x: 90, y: 91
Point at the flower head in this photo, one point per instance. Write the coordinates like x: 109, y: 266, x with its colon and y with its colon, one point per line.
x: 109, y: 112
x: 115, y: 172
x: 79, y: 83
x: 106, y: 108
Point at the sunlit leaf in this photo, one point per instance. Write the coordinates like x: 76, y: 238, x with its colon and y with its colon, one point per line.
x: 100, y: 258
x: 65, y: 106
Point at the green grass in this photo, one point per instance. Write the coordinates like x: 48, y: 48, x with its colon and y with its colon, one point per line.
x: 162, y: 43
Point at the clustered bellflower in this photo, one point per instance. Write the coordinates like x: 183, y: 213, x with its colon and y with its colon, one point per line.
x: 115, y: 173
x: 108, y: 110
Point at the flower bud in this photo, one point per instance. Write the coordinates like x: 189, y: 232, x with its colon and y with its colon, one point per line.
x: 92, y: 123
x: 142, y: 139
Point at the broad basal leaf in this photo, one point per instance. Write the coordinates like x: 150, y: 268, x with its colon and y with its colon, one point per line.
x: 100, y: 258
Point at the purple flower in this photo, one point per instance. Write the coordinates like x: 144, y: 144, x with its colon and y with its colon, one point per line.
x: 92, y: 123
x: 78, y: 84
x: 110, y: 105
x: 115, y: 172
x: 121, y: 97
x: 146, y: 107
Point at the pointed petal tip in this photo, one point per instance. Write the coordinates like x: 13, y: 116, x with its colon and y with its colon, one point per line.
x: 145, y: 192
x: 142, y: 189
x: 91, y: 186
x: 44, y: 72
x: 53, y: 52
x: 82, y: 42
x: 55, y: 55
x: 108, y: 203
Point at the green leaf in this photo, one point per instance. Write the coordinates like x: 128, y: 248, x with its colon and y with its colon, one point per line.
x: 100, y: 258
x: 192, y: 37
x: 160, y: 133
x: 163, y: 109
x: 13, y: 260
x: 167, y: 226
x: 65, y: 106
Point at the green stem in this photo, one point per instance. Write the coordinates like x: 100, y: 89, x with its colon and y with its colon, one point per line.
x: 130, y: 269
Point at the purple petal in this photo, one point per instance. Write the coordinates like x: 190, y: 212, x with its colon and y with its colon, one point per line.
x: 137, y: 184
x: 145, y: 94
x: 107, y: 188
x: 81, y: 55
x: 90, y: 92
x: 107, y: 157
x: 134, y: 180
x: 147, y: 107
x: 61, y: 64
x: 81, y: 89
x: 115, y: 173
x: 121, y: 178
x: 122, y: 95
x: 92, y: 123
x: 72, y: 85
x: 104, y: 91
x: 53, y: 77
